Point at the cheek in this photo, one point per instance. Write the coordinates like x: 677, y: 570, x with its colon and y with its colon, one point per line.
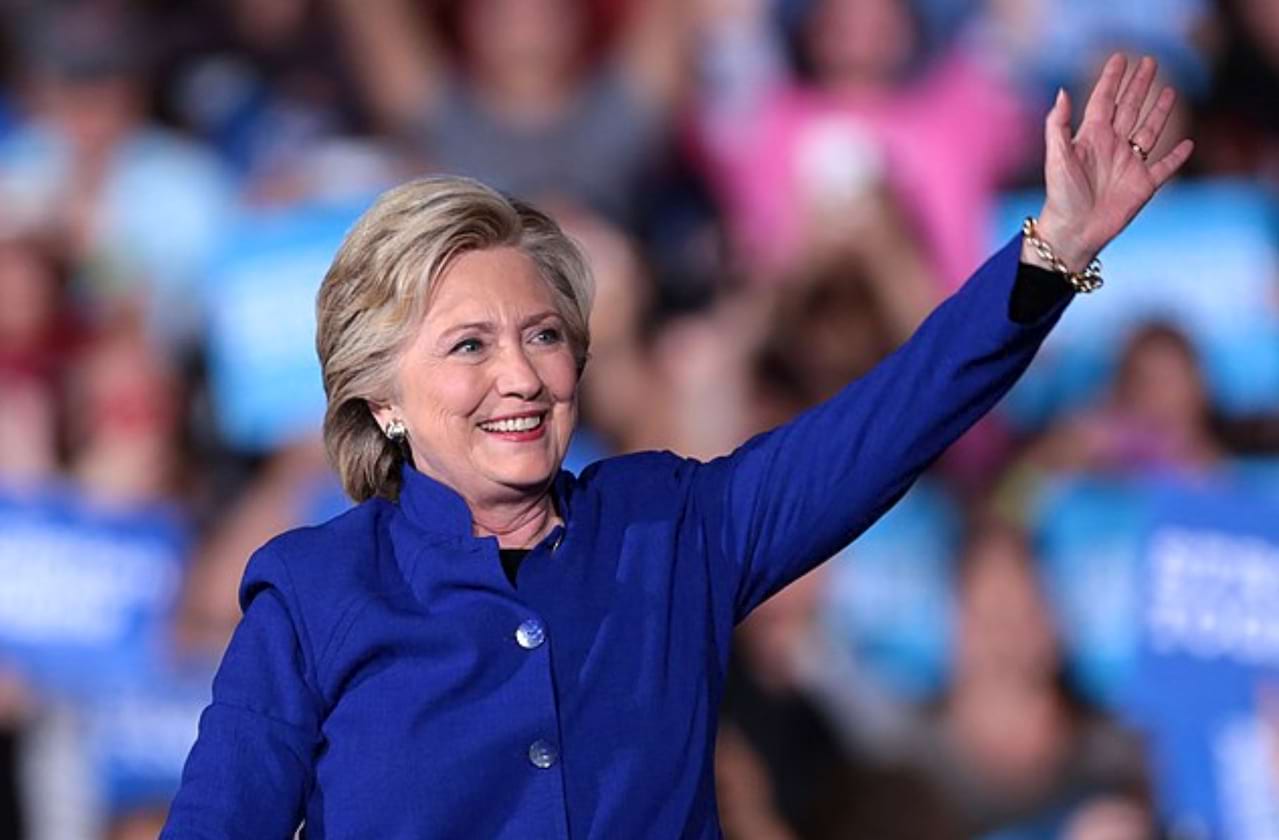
x: 559, y: 373
x: 444, y: 396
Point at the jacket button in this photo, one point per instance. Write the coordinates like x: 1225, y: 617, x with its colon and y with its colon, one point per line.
x: 542, y: 754
x: 530, y: 634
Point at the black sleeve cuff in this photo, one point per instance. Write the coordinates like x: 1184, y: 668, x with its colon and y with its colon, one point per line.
x: 1036, y: 292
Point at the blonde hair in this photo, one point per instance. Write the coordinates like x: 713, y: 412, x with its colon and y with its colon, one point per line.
x: 377, y: 290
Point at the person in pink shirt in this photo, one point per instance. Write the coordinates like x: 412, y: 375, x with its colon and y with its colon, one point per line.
x: 791, y: 156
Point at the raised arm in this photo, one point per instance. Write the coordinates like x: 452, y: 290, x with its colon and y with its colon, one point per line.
x: 397, y: 58
x: 251, y: 769
x: 655, y: 50
x: 790, y: 498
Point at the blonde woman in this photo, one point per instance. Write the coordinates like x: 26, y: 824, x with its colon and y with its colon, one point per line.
x: 487, y: 646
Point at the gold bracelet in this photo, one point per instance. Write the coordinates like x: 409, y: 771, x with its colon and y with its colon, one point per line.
x: 1088, y: 280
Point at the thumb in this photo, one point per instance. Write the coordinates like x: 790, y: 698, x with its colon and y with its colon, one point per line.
x: 1057, y: 124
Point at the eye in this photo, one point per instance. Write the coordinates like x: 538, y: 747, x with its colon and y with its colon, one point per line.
x: 548, y: 335
x: 467, y: 347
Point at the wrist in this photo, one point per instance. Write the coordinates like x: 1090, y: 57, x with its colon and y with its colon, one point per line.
x: 1037, y: 251
x: 1065, y: 243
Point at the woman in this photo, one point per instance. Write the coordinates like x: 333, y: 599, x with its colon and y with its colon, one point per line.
x: 874, y: 109
x: 488, y: 647
x: 547, y: 98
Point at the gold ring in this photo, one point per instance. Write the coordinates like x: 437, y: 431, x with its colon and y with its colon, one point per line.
x: 1141, y: 153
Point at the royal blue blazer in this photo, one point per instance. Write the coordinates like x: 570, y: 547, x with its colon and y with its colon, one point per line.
x: 387, y: 680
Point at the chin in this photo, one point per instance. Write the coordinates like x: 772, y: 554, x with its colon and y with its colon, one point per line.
x: 529, y: 475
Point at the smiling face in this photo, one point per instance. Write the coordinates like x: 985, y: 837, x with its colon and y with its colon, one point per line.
x: 487, y: 387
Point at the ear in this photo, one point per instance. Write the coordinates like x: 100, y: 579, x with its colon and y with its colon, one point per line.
x: 383, y: 412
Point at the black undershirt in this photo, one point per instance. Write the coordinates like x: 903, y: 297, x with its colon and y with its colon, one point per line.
x: 511, y: 559
x: 1035, y: 292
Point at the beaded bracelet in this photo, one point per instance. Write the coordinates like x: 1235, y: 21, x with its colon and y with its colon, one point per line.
x: 1088, y: 280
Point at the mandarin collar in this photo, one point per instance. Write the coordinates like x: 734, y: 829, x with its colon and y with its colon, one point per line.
x: 436, y: 508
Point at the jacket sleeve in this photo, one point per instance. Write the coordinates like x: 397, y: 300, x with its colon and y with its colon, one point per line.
x: 251, y: 769
x: 792, y: 497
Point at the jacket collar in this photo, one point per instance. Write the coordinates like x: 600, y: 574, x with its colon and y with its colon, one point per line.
x: 436, y: 508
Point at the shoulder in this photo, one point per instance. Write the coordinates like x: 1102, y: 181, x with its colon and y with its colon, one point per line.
x: 320, y: 570
x: 332, y: 541
x: 637, y: 466
x: 639, y: 481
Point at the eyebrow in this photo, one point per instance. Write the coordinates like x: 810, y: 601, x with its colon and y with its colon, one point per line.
x: 487, y: 326
x: 544, y: 315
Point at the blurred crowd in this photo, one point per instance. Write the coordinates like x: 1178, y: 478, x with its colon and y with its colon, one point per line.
x: 773, y: 194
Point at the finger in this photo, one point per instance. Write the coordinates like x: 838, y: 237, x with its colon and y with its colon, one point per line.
x: 1167, y: 166
x: 1152, y: 127
x: 1101, y: 103
x: 1057, y: 123
x: 1134, y: 97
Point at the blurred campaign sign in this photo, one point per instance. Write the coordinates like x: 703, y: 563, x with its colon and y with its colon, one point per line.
x: 138, y: 729
x: 260, y: 298
x: 1201, y: 257
x: 1073, y: 37
x: 87, y: 590
x: 888, y: 600
x: 1208, y: 673
x: 1089, y: 531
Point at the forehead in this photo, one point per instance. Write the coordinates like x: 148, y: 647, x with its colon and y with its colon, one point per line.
x: 490, y: 284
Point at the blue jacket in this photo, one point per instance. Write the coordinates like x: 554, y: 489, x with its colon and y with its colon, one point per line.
x: 387, y: 681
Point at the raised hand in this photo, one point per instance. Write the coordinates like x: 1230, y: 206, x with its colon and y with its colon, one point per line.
x: 1099, y: 179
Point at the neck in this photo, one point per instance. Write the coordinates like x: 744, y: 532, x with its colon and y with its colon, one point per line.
x: 519, y: 524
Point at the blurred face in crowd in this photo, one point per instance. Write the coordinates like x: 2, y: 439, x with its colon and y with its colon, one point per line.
x: 843, y: 335
x: 505, y: 38
x: 28, y: 424
x: 829, y: 332
x: 1004, y: 715
x: 1261, y: 18
x: 1159, y: 381
x: 1005, y: 629
x: 264, y: 23
x: 28, y: 295
x: 94, y: 113
x: 123, y: 395
x: 1108, y: 818
x: 860, y: 40
x: 488, y: 386
x: 614, y: 376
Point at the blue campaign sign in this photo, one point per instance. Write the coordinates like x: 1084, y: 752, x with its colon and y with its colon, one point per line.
x: 87, y: 591
x: 888, y: 601
x: 260, y: 299
x: 138, y: 729
x: 1208, y: 670
x: 1089, y: 532
x: 1202, y: 257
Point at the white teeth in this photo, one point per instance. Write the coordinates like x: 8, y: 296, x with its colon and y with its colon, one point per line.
x: 513, y: 424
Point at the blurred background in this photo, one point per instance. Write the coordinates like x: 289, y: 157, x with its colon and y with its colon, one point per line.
x: 1068, y: 629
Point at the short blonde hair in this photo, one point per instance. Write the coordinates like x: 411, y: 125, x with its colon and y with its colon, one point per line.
x: 377, y: 291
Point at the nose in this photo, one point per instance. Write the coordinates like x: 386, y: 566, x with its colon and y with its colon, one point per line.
x: 516, y: 376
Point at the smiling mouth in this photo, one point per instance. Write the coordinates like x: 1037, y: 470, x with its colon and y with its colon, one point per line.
x: 514, y: 425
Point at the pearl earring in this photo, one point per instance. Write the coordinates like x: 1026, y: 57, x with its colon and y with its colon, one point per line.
x: 395, y: 431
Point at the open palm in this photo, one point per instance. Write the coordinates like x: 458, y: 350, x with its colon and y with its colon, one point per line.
x: 1098, y: 179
